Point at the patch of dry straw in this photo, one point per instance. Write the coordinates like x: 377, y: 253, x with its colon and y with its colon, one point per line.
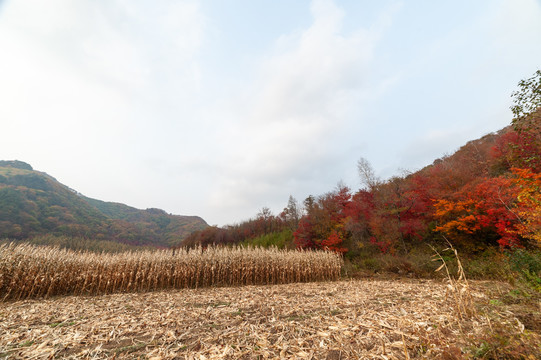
x: 325, y: 320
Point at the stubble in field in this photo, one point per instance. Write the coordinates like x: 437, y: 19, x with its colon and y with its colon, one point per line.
x: 328, y: 320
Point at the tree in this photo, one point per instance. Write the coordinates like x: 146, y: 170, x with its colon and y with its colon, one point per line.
x: 265, y: 213
x: 481, y: 214
x: 527, y: 121
x: 292, y: 213
x: 309, y: 203
x: 359, y: 213
x: 304, y: 235
x: 334, y: 242
x: 527, y: 99
x: 265, y: 220
x: 323, y: 225
x: 528, y: 206
x: 366, y: 173
x: 519, y: 149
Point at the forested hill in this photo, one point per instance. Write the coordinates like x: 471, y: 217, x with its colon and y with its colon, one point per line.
x: 33, y: 203
x: 485, y: 195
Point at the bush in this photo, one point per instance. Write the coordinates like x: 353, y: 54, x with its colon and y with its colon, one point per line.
x: 281, y: 240
x: 528, y: 265
x: 490, y: 264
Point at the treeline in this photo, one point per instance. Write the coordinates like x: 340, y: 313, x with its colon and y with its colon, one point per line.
x: 265, y: 229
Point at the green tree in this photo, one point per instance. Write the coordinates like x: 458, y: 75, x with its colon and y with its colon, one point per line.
x: 527, y: 122
x: 527, y: 99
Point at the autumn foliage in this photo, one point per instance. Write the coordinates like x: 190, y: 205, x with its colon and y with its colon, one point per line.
x: 483, y: 210
x: 324, y: 225
x: 528, y: 207
x: 488, y: 193
x: 503, y: 202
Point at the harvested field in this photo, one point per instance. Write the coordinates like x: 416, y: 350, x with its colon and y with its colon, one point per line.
x: 404, y: 319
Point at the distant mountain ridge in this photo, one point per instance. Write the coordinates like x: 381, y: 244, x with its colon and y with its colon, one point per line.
x: 33, y: 203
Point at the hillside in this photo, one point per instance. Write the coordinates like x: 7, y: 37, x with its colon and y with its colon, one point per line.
x: 483, y: 196
x: 33, y: 203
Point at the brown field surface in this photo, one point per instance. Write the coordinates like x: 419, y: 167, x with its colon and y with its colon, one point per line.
x: 354, y: 319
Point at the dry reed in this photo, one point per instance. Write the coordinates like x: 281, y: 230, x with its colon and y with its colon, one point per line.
x: 458, y: 287
x: 28, y: 271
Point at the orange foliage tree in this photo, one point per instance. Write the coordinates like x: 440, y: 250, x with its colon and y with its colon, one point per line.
x: 528, y: 206
x: 481, y: 214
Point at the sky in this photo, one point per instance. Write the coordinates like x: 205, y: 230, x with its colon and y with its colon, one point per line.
x: 220, y: 108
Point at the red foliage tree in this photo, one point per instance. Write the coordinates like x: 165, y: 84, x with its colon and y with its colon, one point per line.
x: 334, y: 242
x: 480, y: 213
x: 304, y: 236
x: 323, y: 225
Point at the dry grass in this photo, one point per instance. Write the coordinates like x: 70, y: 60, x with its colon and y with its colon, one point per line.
x: 28, y: 271
x: 458, y: 286
x: 325, y: 320
x: 399, y: 319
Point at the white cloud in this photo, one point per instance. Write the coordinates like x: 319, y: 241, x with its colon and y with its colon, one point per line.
x: 136, y: 102
x: 118, y: 91
x: 306, y: 93
x: 87, y: 86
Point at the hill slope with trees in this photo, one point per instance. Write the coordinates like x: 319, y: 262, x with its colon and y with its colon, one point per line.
x: 33, y: 203
x: 486, y: 194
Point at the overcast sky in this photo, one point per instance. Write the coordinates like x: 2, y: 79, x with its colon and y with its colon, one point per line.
x: 219, y: 108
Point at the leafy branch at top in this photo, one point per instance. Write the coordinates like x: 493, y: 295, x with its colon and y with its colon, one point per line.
x: 527, y: 99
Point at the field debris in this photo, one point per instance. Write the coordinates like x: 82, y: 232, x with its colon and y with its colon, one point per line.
x: 326, y: 320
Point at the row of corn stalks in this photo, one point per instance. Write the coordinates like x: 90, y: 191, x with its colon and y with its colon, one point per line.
x: 28, y: 271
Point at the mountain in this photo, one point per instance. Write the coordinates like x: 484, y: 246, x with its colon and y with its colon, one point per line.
x: 33, y: 203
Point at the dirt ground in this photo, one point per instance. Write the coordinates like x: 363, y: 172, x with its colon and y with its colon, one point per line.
x: 354, y: 319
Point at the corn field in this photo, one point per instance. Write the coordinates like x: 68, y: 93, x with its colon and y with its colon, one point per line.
x: 28, y: 271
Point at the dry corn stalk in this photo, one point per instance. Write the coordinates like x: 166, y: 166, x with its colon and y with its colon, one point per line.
x: 28, y: 271
x: 458, y: 287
